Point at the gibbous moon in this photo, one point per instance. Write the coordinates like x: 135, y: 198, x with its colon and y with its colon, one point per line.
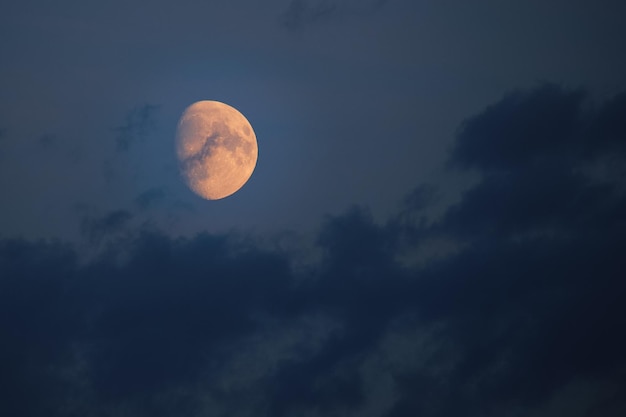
x: 217, y: 149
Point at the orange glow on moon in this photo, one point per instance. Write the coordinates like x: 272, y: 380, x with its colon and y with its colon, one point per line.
x: 217, y: 149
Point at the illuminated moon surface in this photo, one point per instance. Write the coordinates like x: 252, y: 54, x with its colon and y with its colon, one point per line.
x: 217, y: 149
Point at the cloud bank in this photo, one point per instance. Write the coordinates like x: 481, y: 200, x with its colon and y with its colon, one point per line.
x: 524, y: 315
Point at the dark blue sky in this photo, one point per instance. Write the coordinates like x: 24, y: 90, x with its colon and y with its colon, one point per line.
x: 434, y: 227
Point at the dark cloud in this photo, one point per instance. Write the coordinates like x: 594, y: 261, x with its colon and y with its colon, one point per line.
x: 538, y: 285
x: 174, y: 312
x: 145, y: 326
x: 138, y: 123
x: 420, y: 198
x: 609, y: 127
x: 530, y: 303
x: 520, y: 129
x: 37, y: 320
x: 305, y: 12
x: 533, y: 150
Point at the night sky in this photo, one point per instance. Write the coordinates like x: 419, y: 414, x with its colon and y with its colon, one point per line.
x: 436, y: 225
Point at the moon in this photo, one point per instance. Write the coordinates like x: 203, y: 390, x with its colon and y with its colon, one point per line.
x: 217, y: 149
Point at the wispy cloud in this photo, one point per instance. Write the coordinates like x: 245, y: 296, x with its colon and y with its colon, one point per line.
x: 150, y: 198
x: 138, y: 123
x: 97, y: 228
